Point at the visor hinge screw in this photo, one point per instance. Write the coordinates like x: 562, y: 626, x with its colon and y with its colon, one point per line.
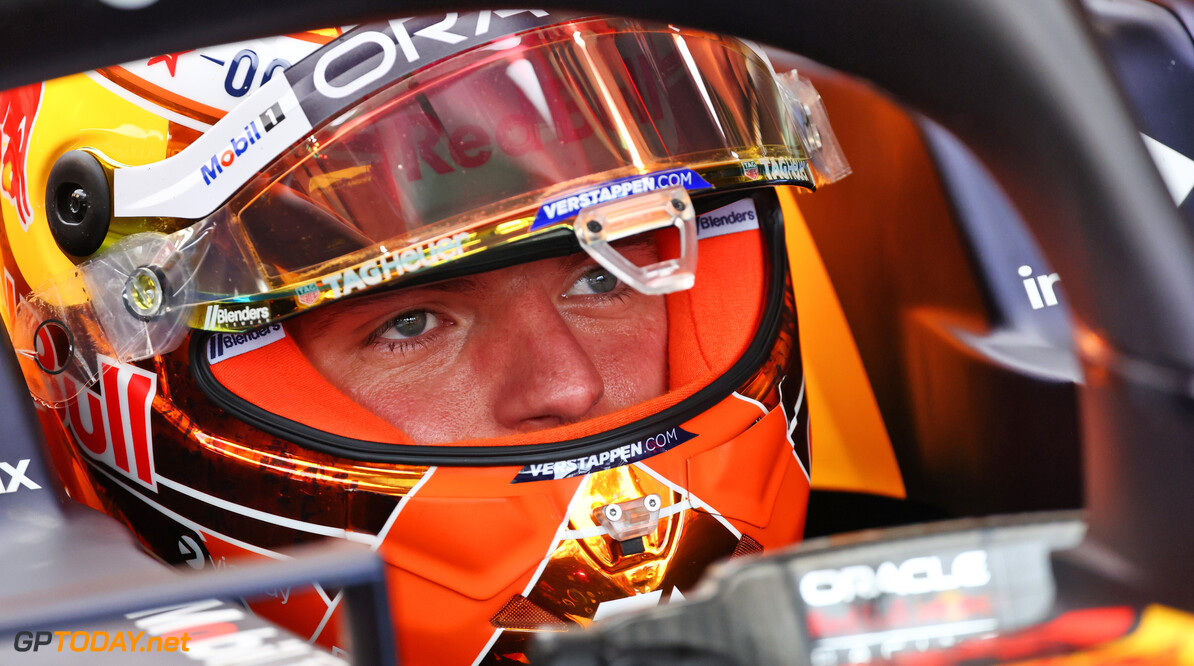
x: 78, y: 204
x: 144, y: 293
x: 594, y: 226
x: 679, y: 205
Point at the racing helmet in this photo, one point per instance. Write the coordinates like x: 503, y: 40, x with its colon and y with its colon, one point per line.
x: 502, y: 295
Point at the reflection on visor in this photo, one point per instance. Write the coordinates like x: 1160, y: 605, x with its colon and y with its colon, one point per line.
x: 495, y: 130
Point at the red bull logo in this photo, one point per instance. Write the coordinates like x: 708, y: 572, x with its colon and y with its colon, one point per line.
x: 112, y: 425
x: 18, y: 112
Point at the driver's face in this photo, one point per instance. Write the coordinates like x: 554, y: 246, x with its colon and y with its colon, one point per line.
x: 512, y: 350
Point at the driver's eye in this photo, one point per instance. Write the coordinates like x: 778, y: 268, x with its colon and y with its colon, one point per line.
x: 596, y: 281
x: 410, y: 325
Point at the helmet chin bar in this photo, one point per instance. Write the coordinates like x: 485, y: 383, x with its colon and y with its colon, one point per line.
x: 599, y: 225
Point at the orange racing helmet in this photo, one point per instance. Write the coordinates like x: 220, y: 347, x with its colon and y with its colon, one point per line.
x: 503, y: 295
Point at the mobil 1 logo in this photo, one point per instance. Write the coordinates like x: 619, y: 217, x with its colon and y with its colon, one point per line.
x: 374, y: 55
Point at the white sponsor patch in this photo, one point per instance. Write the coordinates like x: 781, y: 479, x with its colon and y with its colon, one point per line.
x: 223, y: 346
x: 238, y: 316
x: 729, y: 219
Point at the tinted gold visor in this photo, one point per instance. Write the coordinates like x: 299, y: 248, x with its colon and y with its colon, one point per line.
x: 498, y: 132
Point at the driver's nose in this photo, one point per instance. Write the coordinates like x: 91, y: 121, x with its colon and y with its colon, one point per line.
x: 549, y: 378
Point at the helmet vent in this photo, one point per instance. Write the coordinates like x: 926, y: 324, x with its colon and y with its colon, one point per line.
x: 522, y: 614
x: 746, y: 546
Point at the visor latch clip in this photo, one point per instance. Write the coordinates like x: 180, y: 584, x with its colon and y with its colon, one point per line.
x: 633, y: 518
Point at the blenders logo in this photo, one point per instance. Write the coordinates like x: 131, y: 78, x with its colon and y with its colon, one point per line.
x: 623, y: 455
x: 243, y: 317
x: 223, y: 346
x: 240, y: 143
x: 732, y: 218
x: 565, y: 207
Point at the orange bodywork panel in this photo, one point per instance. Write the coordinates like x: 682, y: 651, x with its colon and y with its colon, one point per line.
x: 851, y: 450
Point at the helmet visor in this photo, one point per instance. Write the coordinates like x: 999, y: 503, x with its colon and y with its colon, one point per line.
x: 500, y: 130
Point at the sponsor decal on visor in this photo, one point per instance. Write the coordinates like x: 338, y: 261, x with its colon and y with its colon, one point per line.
x: 373, y: 55
x: 307, y: 294
x: 782, y: 168
x: 394, y: 264
x: 623, y: 455
x: 223, y: 346
x: 196, y: 181
x: 735, y: 217
x: 565, y: 207
x: 223, y: 316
